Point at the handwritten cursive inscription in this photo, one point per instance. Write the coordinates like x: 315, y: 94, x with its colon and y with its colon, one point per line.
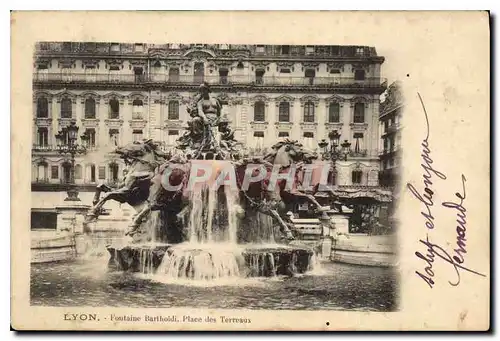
x: 434, y: 251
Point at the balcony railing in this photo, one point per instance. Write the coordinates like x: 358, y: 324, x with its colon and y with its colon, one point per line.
x: 216, y: 80
x: 42, y: 148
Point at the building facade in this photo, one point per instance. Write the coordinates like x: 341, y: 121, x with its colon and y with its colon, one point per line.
x: 118, y: 93
x: 390, y: 131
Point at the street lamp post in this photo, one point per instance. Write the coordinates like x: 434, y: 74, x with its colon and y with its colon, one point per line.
x: 331, y: 150
x: 66, y: 144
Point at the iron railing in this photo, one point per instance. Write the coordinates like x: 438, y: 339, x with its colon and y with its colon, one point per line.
x: 215, y: 80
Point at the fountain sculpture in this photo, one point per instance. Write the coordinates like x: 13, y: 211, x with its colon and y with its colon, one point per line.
x: 206, y: 212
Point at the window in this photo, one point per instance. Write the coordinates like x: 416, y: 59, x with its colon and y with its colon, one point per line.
x: 358, y: 138
x: 43, y: 137
x: 172, y: 137
x: 259, y: 49
x: 137, y: 106
x: 137, y: 135
x: 309, y: 112
x: 284, y: 112
x: 285, y: 70
x: 173, y: 110
x: 42, y: 66
x: 139, y: 48
x: 115, y: 47
x: 360, y: 51
x: 359, y: 75
x: 309, y: 50
x: 90, y: 133
x: 259, y: 111
x: 92, y: 173
x: 43, y: 220
x: 90, y: 73
x: 310, y: 74
x: 334, y: 113
x: 114, y: 109
x: 90, y: 108
x: 259, y: 76
x: 102, y: 172
x: 240, y: 66
x: 283, y: 134
x: 54, y: 172
x: 114, y: 73
x: 66, y: 108
x: 78, y: 172
x: 259, y: 139
x: 113, y: 172
x: 359, y: 113
x: 335, y: 71
x: 113, y: 136
x: 309, y: 139
x: 173, y: 74
x: 285, y: 49
x: 223, y: 76
x: 357, y: 176
x: 42, y: 107
x: 43, y: 172
x: 90, y: 47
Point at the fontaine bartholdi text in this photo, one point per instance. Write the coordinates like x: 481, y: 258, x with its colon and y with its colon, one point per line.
x: 177, y: 319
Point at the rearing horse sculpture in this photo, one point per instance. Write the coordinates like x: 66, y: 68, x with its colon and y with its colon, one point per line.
x: 142, y: 159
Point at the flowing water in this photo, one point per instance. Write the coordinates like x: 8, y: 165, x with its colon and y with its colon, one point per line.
x: 90, y: 283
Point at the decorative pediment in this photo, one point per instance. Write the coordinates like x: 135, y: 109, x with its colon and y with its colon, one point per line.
x: 236, y: 101
x: 309, y: 98
x: 260, y: 64
x: 335, y: 66
x: 260, y: 98
x: 113, y: 123
x: 310, y: 65
x: 138, y: 63
x: 335, y: 99
x: 284, y: 98
x: 225, y: 64
x: 114, y: 62
x: 90, y: 94
x: 137, y: 95
x: 113, y: 95
x: 285, y: 64
x: 44, y: 94
x: 66, y: 63
x: 42, y: 62
x: 174, y: 96
x: 157, y: 53
x: 361, y: 66
x: 360, y: 99
x: 90, y: 63
x: 199, y: 53
x: 65, y: 94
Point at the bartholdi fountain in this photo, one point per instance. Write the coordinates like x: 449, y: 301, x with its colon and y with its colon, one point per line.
x: 199, y: 217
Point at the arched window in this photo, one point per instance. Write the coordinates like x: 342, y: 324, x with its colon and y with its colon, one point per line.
x: 114, y: 109
x: 89, y: 108
x: 284, y: 112
x: 334, y: 113
x: 359, y: 113
x: 137, y: 109
x: 357, y: 176
x: 173, y: 110
x: 259, y: 111
x: 309, y: 112
x: 66, y: 108
x: 78, y: 172
x: 42, y: 107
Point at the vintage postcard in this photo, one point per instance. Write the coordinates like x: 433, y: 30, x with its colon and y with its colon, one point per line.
x: 268, y: 171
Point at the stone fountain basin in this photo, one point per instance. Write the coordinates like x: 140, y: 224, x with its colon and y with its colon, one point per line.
x: 256, y: 260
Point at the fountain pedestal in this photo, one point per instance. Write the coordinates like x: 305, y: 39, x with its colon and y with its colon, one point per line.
x: 247, y: 261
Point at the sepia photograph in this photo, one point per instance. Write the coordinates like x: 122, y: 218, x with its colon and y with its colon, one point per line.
x: 250, y: 171
x: 303, y: 139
